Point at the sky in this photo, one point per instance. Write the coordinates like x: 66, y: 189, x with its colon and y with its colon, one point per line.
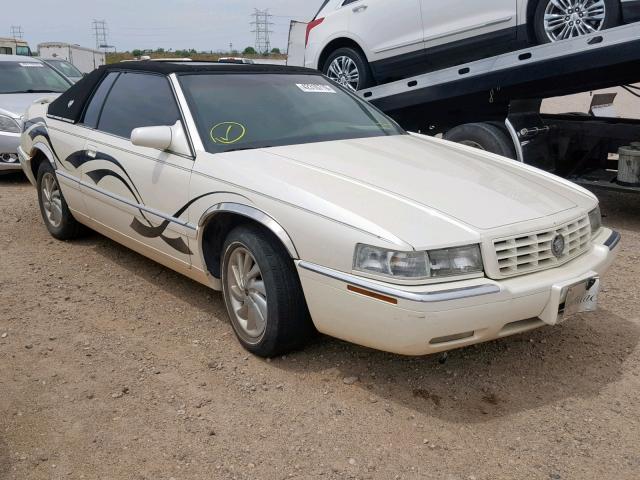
x: 178, y: 24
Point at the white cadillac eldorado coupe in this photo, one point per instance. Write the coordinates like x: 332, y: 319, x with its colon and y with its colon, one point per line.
x: 311, y: 210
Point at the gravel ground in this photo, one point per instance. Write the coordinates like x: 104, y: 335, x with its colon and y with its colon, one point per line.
x: 112, y: 367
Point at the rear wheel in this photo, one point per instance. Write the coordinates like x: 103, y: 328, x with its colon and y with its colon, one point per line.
x: 348, y: 67
x: 483, y: 136
x: 556, y: 20
x: 262, y: 293
x: 53, y: 207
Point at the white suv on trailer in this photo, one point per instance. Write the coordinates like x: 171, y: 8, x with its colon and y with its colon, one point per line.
x: 363, y: 42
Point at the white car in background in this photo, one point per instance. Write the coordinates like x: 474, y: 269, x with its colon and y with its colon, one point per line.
x: 359, y: 43
x: 309, y: 208
x: 23, y: 80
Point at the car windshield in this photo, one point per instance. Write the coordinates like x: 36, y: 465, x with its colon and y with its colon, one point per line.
x: 66, y: 68
x: 244, y: 111
x: 30, y: 77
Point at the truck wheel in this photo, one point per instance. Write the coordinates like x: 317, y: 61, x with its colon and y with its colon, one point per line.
x: 483, y: 136
x: 53, y: 207
x: 554, y: 20
x: 262, y: 293
x: 349, y: 68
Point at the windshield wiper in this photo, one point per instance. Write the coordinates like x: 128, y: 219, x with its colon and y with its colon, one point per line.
x: 33, y: 90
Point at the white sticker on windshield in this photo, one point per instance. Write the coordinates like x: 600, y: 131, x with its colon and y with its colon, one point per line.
x: 30, y: 64
x: 315, y: 88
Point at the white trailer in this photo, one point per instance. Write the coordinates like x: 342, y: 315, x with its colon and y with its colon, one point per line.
x: 296, y: 47
x: 84, y: 59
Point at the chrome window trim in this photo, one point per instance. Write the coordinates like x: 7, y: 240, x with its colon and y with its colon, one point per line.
x: 421, y: 297
x: 190, y: 124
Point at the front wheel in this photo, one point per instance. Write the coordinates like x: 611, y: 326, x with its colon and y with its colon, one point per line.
x: 262, y: 293
x: 349, y: 68
x: 53, y: 206
x: 559, y: 20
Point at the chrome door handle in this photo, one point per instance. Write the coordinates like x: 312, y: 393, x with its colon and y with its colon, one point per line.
x: 359, y: 8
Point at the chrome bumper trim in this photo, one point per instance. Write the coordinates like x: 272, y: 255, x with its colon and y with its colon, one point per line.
x: 613, y: 240
x: 421, y: 297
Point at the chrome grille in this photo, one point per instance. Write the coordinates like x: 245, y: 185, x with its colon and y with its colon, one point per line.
x: 532, y: 252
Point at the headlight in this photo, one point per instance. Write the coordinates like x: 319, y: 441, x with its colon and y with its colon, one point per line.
x: 445, y: 262
x: 595, y: 219
x: 8, y: 124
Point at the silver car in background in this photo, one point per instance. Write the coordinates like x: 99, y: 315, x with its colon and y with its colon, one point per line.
x: 23, y: 80
x: 67, y: 69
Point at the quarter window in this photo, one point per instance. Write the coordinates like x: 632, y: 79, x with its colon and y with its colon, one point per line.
x: 138, y: 100
x: 92, y: 113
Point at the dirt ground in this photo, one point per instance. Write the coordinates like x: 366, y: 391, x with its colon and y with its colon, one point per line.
x: 112, y: 367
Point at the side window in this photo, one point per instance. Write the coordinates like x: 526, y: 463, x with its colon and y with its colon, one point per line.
x: 92, y: 113
x: 6, y: 50
x: 347, y: 2
x: 138, y: 100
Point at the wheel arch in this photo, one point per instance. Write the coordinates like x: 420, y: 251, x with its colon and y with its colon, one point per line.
x: 38, y: 154
x: 220, y: 219
x: 335, y: 44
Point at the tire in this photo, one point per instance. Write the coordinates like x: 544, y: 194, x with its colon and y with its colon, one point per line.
x: 612, y: 19
x: 276, y: 286
x: 54, y: 210
x: 483, y: 136
x: 342, y: 60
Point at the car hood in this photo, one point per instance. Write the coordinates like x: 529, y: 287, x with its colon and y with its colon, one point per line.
x: 16, y: 104
x: 407, y: 185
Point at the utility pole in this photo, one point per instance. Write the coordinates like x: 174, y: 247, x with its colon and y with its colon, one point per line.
x: 16, y: 32
x: 261, y: 23
x: 101, y: 33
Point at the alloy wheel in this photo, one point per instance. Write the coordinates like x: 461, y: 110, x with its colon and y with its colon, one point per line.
x: 246, y: 294
x: 51, y: 199
x: 572, y: 18
x: 344, y: 71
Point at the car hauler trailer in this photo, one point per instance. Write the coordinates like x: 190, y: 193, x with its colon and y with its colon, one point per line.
x: 495, y: 104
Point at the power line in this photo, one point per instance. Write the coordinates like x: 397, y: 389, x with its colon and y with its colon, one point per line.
x: 261, y: 25
x: 17, y: 32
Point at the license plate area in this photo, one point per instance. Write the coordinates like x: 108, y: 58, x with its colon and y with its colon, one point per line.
x: 579, y: 298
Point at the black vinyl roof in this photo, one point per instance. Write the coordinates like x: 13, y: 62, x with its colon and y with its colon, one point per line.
x: 168, y: 67
x: 70, y: 105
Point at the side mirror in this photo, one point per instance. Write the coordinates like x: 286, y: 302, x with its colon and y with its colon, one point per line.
x: 163, y: 137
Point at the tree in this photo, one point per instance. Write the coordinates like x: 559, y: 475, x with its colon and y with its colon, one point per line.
x: 249, y: 51
x: 137, y: 53
x: 275, y: 51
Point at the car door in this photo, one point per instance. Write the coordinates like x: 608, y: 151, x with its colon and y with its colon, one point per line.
x: 457, y: 31
x: 386, y: 28
x: 136, y: 191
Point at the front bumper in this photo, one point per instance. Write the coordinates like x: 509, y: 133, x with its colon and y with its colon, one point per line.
x: 424, y: 320
x: 9, y: 145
